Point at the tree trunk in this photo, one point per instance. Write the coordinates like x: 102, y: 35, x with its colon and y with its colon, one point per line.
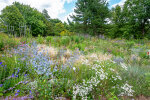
x: 143, y: 27
x: 143, y: 31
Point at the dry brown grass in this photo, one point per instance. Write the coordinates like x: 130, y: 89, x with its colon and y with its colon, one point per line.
x: 52, y: 52
x: 87, y: 60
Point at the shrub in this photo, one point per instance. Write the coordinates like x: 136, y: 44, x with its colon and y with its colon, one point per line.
x: 49, y: 39
x: 129, y: 44
x: 65, y: 40
x: 81, y: 46
x: 75, y: 39
x: 40, y: 39
x: 66, y: 33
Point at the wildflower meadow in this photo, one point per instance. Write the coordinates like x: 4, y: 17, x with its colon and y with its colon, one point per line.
x: 73, y: 68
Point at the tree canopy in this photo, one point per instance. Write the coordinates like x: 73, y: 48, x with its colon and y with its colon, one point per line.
x: 94, y: 17
x: 20, y: 14
x: 131, y: 20
x: 91, y: 15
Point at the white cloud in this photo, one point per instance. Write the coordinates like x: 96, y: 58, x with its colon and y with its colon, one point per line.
x: 68, y: 15
x: 121, y: 3
x: 54, y: 7
x: 68, y: 1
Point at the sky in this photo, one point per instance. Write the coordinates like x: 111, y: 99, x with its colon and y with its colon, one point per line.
x: 60, y: 9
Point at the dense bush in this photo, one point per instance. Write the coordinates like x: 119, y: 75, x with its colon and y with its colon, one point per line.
x: 40, y: 39
x: 49, y: 39
x: 65, y: 40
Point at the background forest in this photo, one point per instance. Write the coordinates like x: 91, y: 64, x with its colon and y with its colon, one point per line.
x: 132, y: 20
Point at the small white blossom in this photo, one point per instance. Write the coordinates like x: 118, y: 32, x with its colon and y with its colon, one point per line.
x: 74, y: 68
x: 127, y: 90
x: 124, y: 66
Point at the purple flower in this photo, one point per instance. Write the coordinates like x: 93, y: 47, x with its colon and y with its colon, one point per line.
x: 18, y: 91
x: 1, y: 85
x: 20, y: 82
x: 16, y: 94
x: 10, y: 88
x: 23, y: 59
x: 30, y: 92
x: 25, y: 75
x: 12, y: 75
x: 26, y: 82
x: 9, y: 98
x: 16, y: 75
x: 0, y: 63
x: 30, y: 96
x: 18, y: 70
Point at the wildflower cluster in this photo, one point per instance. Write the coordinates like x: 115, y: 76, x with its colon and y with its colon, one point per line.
x: 11, y: 81
x: 102, y: 76
x: 39, y: 61
x: 127, y: 90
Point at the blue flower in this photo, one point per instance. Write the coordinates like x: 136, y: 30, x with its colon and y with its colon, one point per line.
x: 18, y: 91
x: 12, y: 75
x: 1, y: 85
x: 10, y: 88
x: 16, y: 75
x: 16, y: 94
x: 25, y: 75
x: 30, y: 92
x: 0, y: 63
x: 18, y: 70
x: 23, y: 59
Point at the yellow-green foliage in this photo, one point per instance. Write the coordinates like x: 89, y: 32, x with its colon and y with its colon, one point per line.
x: 59, y: 27
x: 6, y: 42
x: 40, y: 39
x: 60, y: 30
x: 49, y: 38
x: 65, y: 33
x: 3, y: 36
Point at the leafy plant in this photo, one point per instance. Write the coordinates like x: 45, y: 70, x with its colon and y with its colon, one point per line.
x: 43, y: 89
x: 65, y: 40
x: 40, y: 39
x: 49, y: 39
x: 147, y: 78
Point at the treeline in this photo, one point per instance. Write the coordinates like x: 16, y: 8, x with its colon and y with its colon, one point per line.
x: 41, y: 23
x: 131, y: 20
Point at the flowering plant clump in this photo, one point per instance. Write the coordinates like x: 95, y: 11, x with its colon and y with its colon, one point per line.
x: 11, y: 79
x: 22, y: 60
x: 39, y: 61
x: 102, y: 77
